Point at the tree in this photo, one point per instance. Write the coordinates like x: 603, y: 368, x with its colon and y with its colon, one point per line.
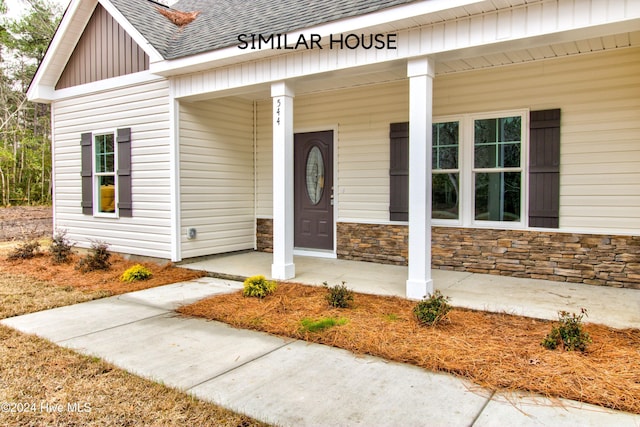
x: 25, y: 131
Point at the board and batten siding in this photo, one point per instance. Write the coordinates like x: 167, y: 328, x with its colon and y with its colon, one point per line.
x: 145, y: 109
x: 104, y: 51
x: 216, y: 176
x: 361, y: 117
x: 598, y: 94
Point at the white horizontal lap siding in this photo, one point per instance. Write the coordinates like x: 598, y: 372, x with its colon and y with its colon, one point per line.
x: 361, y: 117
x: 599, y: 95
x: 216, y: 176
x: 144, y: 109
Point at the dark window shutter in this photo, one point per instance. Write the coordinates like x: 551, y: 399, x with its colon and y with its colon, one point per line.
x: 124, y: 172
x: 86, y: 172
x: 544, y: 169
x: 399, y: 172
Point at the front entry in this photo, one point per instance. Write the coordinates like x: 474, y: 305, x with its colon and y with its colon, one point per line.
x: 313, y: 190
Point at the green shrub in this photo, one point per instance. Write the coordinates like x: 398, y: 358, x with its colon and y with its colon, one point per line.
x: 60, y: 247
x: 137, y: 272
x: 96, y: 259
x: 258, y: 286
x: 25, y: 250
x: 432, y: 309
x: 317, y: 325
x: 569, y: 333
x: 339, y: 296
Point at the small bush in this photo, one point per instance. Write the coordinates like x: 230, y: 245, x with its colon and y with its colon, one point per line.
x: 137, y: 272
x: 258, y: 286
x: 25, y: 250
x: 60, y: 248
x: 569, y: 334
x: 432, y: 309
x: 339, y: 296
x: 317, y: 325
x: 96, y: 259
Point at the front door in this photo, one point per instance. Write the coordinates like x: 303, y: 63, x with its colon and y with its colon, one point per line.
x: 313, y: 190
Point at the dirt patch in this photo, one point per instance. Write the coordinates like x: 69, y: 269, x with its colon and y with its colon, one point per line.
x: 25, y: 222
x: 496, y: 351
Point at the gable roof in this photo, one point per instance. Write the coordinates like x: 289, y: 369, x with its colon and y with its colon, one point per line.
x: 221, y: 21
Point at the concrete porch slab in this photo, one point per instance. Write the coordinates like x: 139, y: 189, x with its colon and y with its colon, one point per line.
x: 528, y: 297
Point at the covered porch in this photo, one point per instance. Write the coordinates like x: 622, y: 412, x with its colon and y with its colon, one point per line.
x: 528, y: 297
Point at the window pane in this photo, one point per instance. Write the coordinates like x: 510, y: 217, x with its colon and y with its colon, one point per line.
x: 485, y: 156
x: 497, y: 142
x: 510, y: 129
x: 107, y: 196
x: 105, y: 154
x: 445, y: 145
x: 445, y: 194
x: 509, y: 155
x: 497, y: 196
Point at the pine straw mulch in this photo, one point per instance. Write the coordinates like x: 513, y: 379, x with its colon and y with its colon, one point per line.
x: 496, y: 351
x: 43, y: 268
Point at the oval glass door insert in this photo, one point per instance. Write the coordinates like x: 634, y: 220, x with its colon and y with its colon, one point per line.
x: 315, y: 175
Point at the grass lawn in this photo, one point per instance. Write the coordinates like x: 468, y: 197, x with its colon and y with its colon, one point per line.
x: 43, y: 384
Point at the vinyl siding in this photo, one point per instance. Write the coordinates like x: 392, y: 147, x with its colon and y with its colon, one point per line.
x: 145, y: 109
x: 598, y: 93
x: 104, y: 50
x: 361, y: 117
x: 216, y: 176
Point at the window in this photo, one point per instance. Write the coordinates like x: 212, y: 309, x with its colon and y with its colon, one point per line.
x: 446, y: 171
x: 497, y: 171
x: 478, y: 169
x: 106, y: 173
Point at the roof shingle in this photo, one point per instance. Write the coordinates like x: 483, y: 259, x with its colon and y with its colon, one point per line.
x: 221, y: 21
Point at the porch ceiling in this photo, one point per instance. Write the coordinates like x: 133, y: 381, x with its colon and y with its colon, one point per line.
x: 466, y: 60
x: 473, y: 58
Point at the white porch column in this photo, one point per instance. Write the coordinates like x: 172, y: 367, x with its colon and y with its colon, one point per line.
x: 283, y: 266
x: 421, y: 73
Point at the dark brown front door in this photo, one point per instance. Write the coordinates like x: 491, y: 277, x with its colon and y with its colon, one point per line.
x: 313, y: 190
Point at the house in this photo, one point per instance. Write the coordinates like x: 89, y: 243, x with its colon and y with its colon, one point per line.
x: 494, y: 136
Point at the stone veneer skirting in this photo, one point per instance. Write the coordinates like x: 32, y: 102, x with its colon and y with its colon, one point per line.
x: 610, y: 260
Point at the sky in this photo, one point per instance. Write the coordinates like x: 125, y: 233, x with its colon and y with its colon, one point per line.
x: 17, y: 7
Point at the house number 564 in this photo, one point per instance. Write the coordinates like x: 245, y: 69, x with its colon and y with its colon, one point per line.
x: 278, y: 104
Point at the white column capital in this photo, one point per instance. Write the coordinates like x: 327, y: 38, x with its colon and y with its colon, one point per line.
x: 282, y: 88
x: 423, y: 66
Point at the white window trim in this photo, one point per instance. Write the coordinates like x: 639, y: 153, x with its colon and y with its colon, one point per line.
x: 95, y: 174
x: 465, y: 166
x: 461, y: 170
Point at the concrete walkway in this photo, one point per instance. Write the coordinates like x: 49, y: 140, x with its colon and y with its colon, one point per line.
x: 284, y: 381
